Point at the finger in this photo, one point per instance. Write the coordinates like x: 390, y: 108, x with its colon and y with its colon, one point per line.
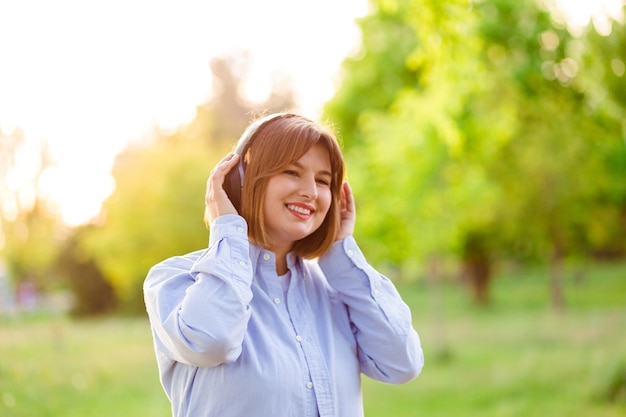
x: 228, y: 158
x: 216, y: 179
x: 232, y: 160
x: 224, y: 162
x: 222, y: 169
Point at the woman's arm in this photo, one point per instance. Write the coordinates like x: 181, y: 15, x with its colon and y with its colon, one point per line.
x: 198, y: 304
x: 389, y: 347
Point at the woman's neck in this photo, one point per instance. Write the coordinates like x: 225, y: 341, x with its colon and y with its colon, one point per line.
x: 281, y: 265
x: 280, y: 253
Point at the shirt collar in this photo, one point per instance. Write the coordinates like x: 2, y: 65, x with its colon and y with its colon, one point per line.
x: 294, y: 262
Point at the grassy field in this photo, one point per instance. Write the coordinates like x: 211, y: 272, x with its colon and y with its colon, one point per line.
x: 515, y: 358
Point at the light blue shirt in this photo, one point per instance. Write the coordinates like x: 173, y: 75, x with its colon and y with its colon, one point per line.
x: 229, y: 343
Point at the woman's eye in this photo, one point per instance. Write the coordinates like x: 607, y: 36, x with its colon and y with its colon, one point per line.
x: 323, y: 181
x: 291, y: 173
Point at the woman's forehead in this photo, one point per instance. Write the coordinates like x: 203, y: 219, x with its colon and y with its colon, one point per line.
x: 317, y: 156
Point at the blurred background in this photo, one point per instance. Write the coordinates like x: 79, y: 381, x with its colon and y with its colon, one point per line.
x: 485, y: 142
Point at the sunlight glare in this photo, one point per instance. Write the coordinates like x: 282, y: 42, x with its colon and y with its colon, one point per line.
x: 578, y: 14
x: 90, y: 77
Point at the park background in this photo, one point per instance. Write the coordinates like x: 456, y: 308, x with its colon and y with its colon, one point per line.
x: 486, y: 146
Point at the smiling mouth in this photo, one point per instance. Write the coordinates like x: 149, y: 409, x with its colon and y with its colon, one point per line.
x: 299, y: 210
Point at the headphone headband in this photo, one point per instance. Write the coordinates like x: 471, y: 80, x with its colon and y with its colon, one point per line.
x: 251, y: 130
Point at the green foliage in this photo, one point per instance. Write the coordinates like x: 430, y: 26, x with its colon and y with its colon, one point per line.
x: 483, y: 119
x: 29, y: 252
x: 373, y: 76
x: 417, y: 188
x: 549, y: 167
x: 93, y: 294
x: 602, y: 76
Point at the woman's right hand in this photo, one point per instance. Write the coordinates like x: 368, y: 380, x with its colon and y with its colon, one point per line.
x: 216, y: 200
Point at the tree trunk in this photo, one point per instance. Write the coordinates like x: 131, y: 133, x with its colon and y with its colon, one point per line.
x: 556, y: 280
x: 477, y: 267
x: 439, y: 336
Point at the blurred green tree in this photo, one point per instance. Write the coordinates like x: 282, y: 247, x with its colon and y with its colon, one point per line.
x: 418, y: 176
x: 93, y: 294
x: 553, y: 168
x: 155, y: 212
x: 477, y: 147
x: 602, y: 59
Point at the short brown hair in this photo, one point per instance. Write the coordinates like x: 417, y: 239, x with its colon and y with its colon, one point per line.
x: 276, y: 144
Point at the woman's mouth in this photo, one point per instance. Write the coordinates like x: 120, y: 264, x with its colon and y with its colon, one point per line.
x: 298, y: 209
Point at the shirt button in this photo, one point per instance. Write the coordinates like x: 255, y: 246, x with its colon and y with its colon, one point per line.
x: 240, y: 229
x: 276, y: 300
x: 309, y: 385
x: 299, y: 338
x: 350, y: 252
x: 375, y: 291
x: 266, y: 256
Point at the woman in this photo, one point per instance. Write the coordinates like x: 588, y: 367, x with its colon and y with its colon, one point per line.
x: 281, y: 313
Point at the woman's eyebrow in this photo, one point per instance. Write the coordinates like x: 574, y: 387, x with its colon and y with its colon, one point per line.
x: 297, y: 164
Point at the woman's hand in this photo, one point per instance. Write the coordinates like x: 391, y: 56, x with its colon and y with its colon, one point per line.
x: 347, y: 212
x: 216, y: 200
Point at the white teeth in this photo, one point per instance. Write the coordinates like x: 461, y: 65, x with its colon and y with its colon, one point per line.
x: 298, y: 209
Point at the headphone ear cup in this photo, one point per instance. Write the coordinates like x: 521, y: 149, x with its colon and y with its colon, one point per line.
x: 233, y: 182
x: 232, y: 186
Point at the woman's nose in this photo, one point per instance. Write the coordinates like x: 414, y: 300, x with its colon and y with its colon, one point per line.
x: 308, y: 187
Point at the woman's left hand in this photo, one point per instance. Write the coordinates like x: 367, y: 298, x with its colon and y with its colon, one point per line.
x: 347, y: 212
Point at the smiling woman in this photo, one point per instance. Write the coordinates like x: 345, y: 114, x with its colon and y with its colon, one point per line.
x: 280, y: 314
x: 89, y: 77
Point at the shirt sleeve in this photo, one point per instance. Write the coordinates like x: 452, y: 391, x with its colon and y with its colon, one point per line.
x: 198, y: 304
x: 389, y: 347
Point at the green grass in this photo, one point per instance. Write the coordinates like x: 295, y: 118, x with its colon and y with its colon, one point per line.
x: 516, y: 357
x: 61, y: 368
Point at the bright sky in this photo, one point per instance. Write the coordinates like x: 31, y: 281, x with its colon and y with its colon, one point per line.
x: 89, y: 76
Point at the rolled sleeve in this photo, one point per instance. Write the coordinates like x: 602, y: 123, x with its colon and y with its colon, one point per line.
x: 389, y: 347
x: 228, y: 255
x: 348, y: 272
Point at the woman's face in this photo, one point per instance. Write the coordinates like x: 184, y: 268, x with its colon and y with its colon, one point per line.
x: 298, y: 198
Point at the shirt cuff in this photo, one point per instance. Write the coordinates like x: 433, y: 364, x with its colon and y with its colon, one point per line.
x: 227, y: 225
x: 342, y: 256
x: 228, y: 255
